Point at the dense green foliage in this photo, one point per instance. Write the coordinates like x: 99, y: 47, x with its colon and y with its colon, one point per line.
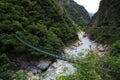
x: 107, y: 35
x: 112, y: 62
x: 104, y: 28
x: 76, y: 12
x: 85, y: 69
x: 7, y: 71
x: 39, y: 22
x: 114, y: 59
x: 44, y: 24
x: 4, y: 65
x: 93, y: 67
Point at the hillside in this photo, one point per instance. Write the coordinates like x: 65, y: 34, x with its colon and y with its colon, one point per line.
x: 76, y: 12
x: 105, y: 24
x: 105, y: 28
x: 39, y: 22
x: 108, y: 14
x: 50, y: 26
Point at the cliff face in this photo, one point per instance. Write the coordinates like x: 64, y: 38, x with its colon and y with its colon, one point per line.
x: 105, y: 24
x: 108, y: 14
x: 76, y: 12
x: 105, y: 28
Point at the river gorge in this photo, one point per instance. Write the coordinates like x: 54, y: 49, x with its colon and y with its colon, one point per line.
x: 60, y: 67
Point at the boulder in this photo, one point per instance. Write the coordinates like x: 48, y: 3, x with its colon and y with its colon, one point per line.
x: 100, y: 48
x: 32, y: 69
x: 59, y: 70
x: 42, y: 65
x: 72, y: 47
x: 67, y: 50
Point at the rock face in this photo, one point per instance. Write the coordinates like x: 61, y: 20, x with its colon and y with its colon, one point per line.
x: 76, y: 12
x: 35, y: 66
x: 44, y: 65
x: 108, y: 14
x: 59, y: 68
x: 105, y: 24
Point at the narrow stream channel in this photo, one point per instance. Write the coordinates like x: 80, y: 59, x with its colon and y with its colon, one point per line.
x: 63, y: 67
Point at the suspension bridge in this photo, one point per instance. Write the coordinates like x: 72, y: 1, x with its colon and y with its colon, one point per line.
x: 61, y: 56
x: 56, y: 55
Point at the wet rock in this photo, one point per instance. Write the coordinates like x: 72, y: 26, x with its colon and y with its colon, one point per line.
x: 32, y: 77
x: 67, y: 50
x: 44, y: 64
x: 59, y: 70
x: 77, y: 43
x: 35, y: 66
x: 32, y: 69
x: 84, y: 35
x: 106, y: 47
x: 72, y: 47
x: 54, y: 65
x: 100, y: 48
x: 80, y: 43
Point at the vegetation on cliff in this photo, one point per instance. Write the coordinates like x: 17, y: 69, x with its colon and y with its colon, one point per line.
x: 105, y: 28
x: 76, y: 12
x: 108, y: 14
x: 105, y: 24
x: 44, y: 24
x: 39, y: 22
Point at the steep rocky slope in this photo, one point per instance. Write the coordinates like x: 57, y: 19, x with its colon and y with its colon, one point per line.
x: 108, y: 14
x: 76, y: 12
x: 105, y: 28
x: 105, y: 24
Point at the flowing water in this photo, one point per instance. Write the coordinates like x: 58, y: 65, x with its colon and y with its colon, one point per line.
x: 63, y: 67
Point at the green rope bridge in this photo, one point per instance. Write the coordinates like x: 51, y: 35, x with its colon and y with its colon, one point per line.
x: 61, y: 56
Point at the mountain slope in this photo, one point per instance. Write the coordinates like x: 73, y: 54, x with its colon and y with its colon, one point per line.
x: 105, y: 28
x: 108, y: 14
x: 105, y: 24
x: 76, y: 12
x: 39, y: 22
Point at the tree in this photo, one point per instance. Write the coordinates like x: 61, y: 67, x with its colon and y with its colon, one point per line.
x: 85, y: 69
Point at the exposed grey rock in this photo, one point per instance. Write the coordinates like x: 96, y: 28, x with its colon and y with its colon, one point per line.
x: 35, y: 66
x: 32, y: 69
x: 43, y: 64
x: 100, y: 48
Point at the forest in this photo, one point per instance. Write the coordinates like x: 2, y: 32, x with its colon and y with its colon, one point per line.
x: 53, y: 25
x: 40, y: 22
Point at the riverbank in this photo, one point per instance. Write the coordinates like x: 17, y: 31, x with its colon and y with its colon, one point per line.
x: 83, y: 45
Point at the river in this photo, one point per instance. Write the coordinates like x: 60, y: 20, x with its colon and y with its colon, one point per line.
x: 63, y: 67
x: 60, y: 67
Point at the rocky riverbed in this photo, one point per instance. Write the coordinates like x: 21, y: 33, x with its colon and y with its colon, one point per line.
x: 60, y: 67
